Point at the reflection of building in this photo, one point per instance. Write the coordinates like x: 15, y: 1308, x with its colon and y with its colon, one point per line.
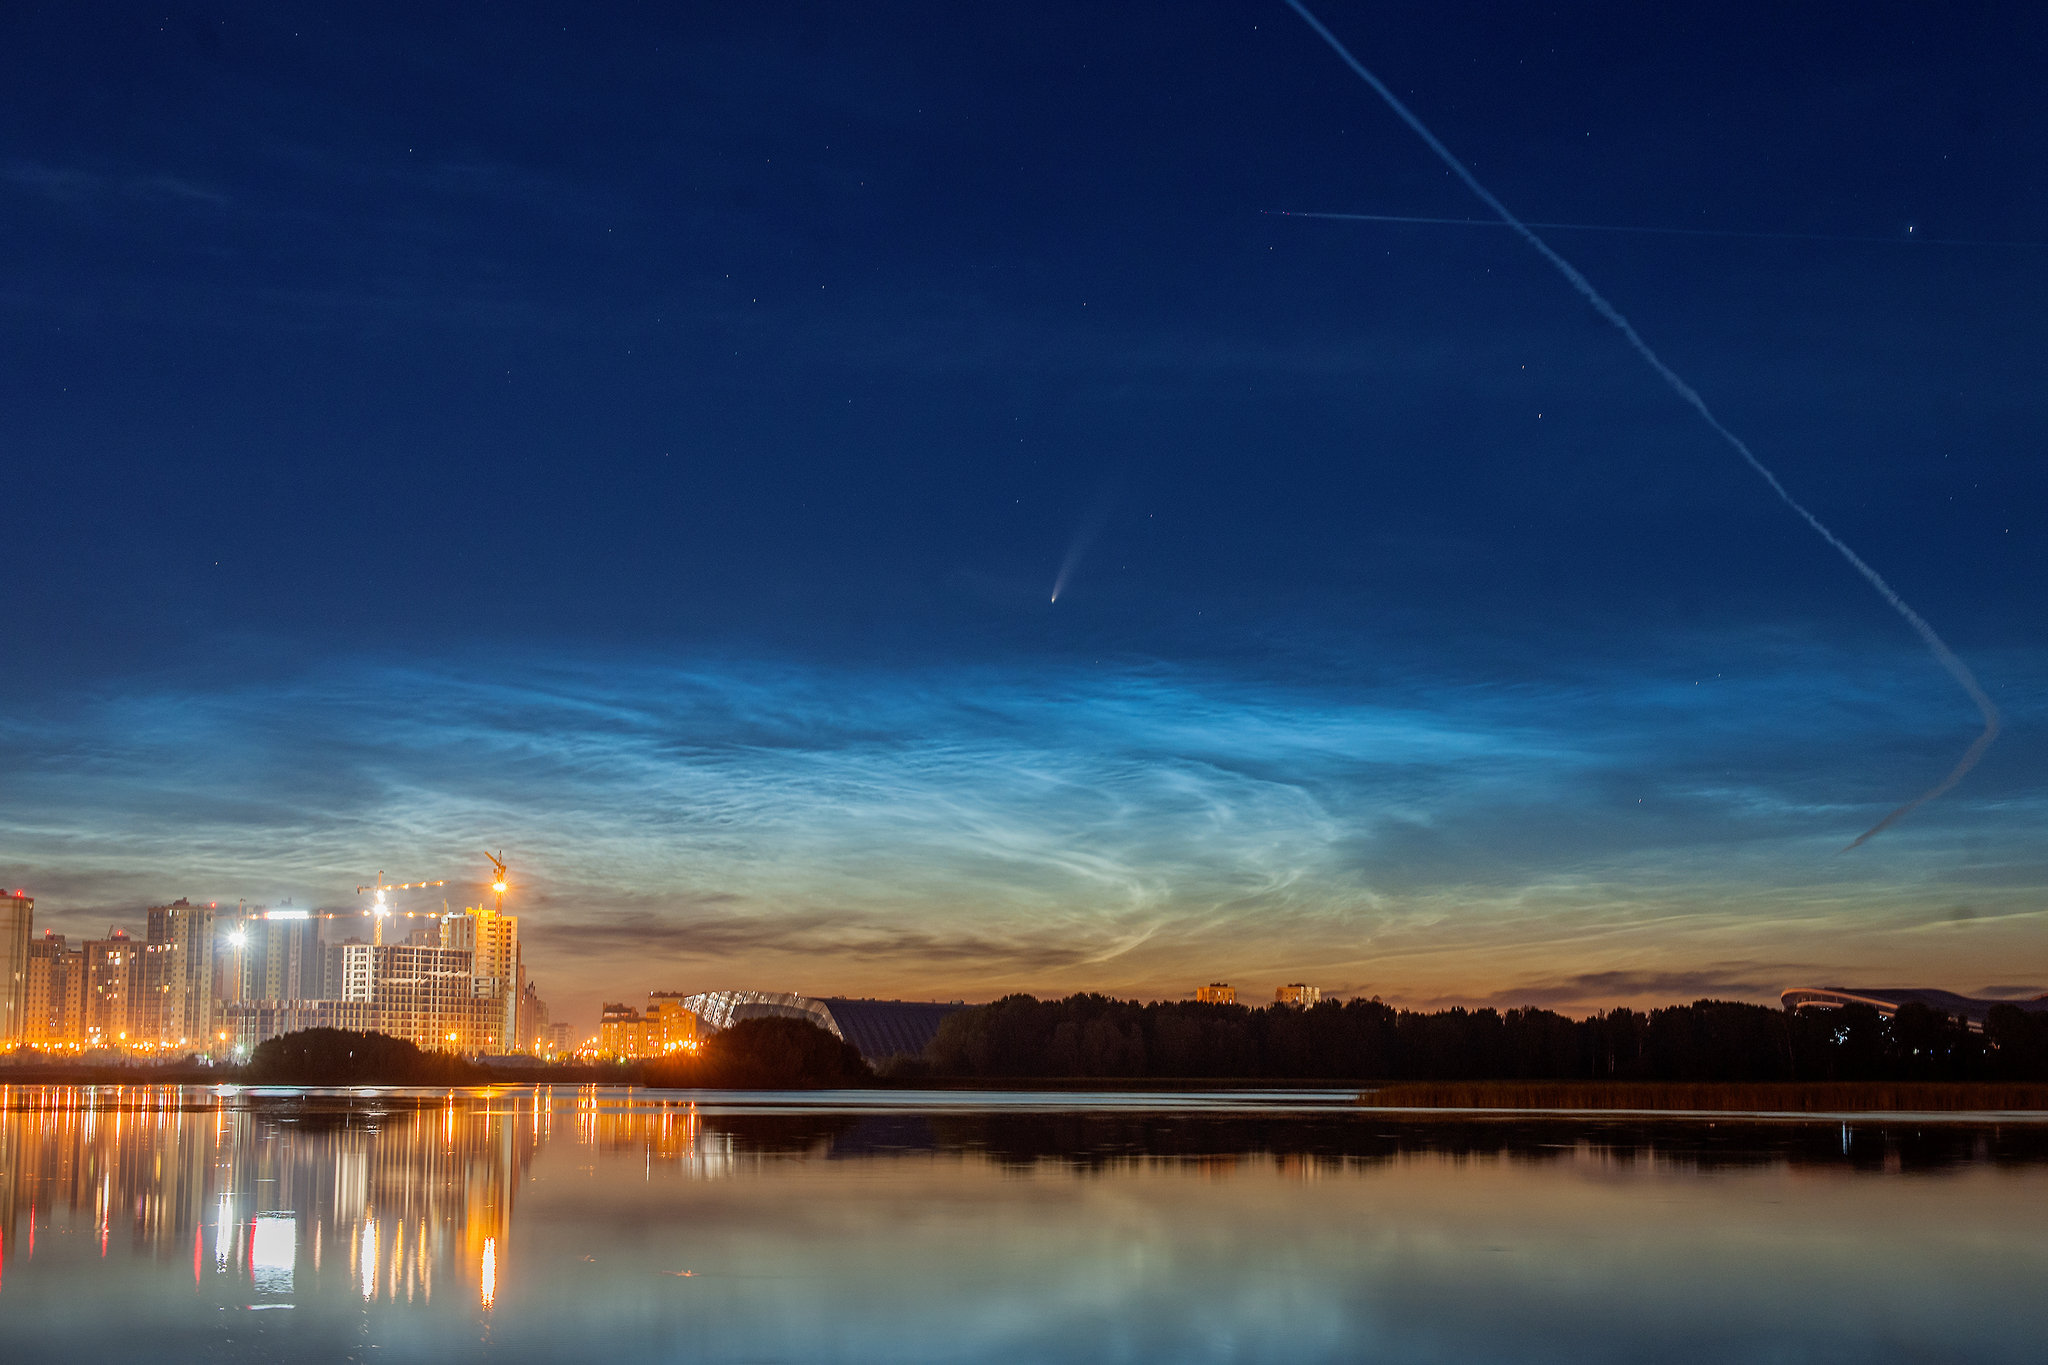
x: 879, y: 1029
x: 405, y: 1206
x: 1298, y: 994
x: 15, y: 913
x: 1216, y: 993
x: 1886, y: 1001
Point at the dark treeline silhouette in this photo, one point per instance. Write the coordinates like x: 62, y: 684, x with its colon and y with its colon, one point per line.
x: 332, y: 1056
x: 1089, y: 1036
x: 765, y: 1054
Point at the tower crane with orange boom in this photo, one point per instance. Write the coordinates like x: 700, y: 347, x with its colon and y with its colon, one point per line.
x: 498, y: 882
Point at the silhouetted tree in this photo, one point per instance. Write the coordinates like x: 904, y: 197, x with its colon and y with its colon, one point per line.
x: 773, y: 1053
x: 1708, y: 1040
x: 2018, y: 1043
x: 332, y: 1056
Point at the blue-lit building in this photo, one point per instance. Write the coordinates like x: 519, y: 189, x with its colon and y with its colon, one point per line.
x: 880, y: 1029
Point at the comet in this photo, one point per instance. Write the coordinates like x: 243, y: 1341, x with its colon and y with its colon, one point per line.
x: 1084, y: 536
x: 1943, y: 655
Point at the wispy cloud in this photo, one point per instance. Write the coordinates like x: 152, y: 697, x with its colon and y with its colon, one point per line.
x: 976, y: 830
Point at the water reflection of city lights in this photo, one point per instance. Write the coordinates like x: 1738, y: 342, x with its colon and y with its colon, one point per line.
x: 221, y: 1235
x: 274, y: 1251
x: 229, y: 1184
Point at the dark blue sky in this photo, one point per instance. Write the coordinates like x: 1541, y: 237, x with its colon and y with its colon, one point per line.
x: 646, y: 438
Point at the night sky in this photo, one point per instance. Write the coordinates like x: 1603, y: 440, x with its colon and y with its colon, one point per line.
x: 645, y: 439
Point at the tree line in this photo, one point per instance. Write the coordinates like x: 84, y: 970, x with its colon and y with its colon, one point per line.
x: 754, y: 1054
x: 1092, y: 1036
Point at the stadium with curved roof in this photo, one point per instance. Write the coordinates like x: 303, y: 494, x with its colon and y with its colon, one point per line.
x: 880, y: 1029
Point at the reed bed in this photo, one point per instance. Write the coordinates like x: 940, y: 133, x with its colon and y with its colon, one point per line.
x: 1775, y: 1097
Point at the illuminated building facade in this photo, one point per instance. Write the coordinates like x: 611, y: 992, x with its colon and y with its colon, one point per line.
x: 533, y: 1020
x: 428, y: 996
x: 492, y: 940
x: 176, y: 977
x: 16, y: 912
x: 667, y: 1026
x: 670, y: 1026
x: 278, y: 957
x: 621, y: 1032
x: 1216, y: 993
x: 1298, y: 995
x: 55, y: 995
x: 110, y: 970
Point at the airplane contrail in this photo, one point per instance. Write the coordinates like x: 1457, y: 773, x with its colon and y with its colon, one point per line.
x: 1911, y: 238
x: 1957, y: 669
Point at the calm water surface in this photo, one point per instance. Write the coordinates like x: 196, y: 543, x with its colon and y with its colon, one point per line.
x: 178, y: 1225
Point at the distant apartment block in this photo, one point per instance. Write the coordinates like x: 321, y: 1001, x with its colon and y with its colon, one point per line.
x: 55, y: 995
x: 667, y: 1026
x: 1299, y: 995
x: 533, y: 1020
x: 177, y: 986
x: 16, y: 913
x: 112, y: 965
x: 1216, y: 993
x: 277, y: 958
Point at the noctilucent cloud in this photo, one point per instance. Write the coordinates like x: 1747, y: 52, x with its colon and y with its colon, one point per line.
x: 647, y: 442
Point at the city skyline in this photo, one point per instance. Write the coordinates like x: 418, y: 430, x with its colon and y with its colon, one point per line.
x: 201, y: 983
x: 417, y: 453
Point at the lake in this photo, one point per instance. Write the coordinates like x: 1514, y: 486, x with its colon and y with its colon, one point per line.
x: 592, y: 1224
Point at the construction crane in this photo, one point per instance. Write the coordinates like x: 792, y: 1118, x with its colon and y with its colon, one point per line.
x: 380, y: 909
x: 498, y: 882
